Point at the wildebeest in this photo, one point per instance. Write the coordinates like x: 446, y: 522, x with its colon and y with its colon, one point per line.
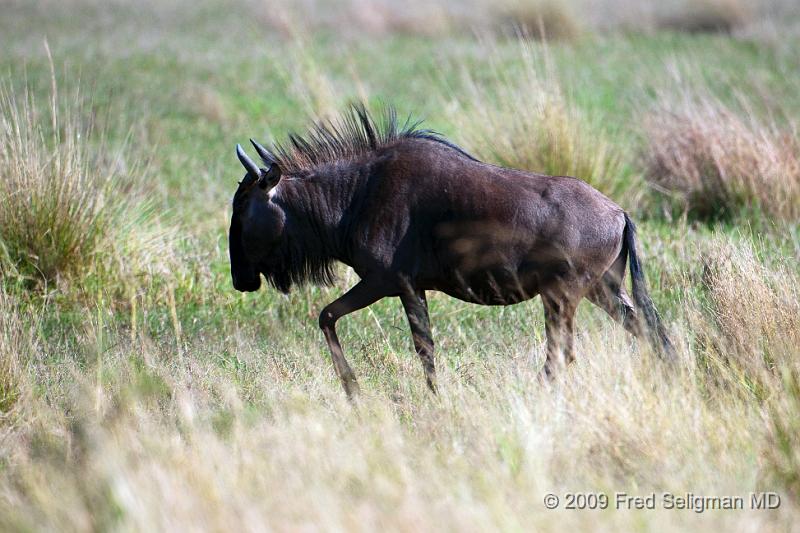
x: 411, y: 212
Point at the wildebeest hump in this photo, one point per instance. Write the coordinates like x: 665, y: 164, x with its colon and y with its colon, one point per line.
x: 473, y: 229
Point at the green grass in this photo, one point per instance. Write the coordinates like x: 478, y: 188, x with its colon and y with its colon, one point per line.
x: 156, y: 395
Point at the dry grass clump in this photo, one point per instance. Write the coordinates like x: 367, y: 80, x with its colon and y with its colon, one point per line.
x: 523, y: 118
x: 538, y: 19
x: 717, y: 162
x: 70, y: 208
x: 60, y: 198
x: 703, y: 16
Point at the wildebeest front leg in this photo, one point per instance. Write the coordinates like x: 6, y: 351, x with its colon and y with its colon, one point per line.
x: 360, y: 296
x: 559, y: 315
x: 416, y: 306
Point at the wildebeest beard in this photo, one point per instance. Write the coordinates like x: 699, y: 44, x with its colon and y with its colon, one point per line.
x: 298, y: 263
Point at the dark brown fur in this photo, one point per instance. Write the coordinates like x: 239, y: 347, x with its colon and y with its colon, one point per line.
x: 411, y: 212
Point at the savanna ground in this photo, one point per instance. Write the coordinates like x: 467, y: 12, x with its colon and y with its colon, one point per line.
x: 139, y: 391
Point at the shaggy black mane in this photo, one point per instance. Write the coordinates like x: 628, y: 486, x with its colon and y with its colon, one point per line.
x: 355, y: 133
x: 311, y: 242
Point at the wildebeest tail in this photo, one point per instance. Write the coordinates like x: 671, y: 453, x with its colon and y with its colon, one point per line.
x: 655, y: 329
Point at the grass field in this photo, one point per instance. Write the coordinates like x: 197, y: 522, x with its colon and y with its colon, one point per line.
x: 139, y: 391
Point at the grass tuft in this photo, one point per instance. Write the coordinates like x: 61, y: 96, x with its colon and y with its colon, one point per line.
x: 538, y: 19
x: 707, y: 16
x: 61, y: 195
x: 71, y: 211
x: 716, y: 162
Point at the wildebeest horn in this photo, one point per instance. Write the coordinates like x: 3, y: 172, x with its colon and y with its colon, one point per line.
x: 249, y: 165
x: 265, y: 154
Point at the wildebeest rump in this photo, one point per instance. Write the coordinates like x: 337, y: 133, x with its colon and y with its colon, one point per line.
x: 411, y: 212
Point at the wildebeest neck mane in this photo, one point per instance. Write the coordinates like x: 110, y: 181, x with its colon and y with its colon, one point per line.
x: 300, y: 264
x: 354, y: 134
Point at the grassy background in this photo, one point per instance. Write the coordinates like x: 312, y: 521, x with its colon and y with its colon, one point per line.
x: 139, y: 390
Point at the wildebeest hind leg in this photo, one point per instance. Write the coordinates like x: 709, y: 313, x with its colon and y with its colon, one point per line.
x: 559, y: 318
x: 360, y: 296
x: 609, y: 296
x: 416, y: 307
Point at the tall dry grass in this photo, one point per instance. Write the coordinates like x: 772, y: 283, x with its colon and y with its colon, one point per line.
x: 749, y: 346
x: 756, y: 306
x: 143, y: 437
x: 748, y: 330
x: 783, y: 452
x: 16, y: 346
x: 717, y: 161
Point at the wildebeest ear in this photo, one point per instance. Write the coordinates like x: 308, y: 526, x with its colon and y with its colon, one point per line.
x: 248, y: 164
x: 269, y: 177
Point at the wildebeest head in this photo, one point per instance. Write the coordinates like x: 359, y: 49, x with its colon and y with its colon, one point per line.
x: 257, y: 223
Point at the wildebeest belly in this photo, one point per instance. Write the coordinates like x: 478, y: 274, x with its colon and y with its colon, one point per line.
x: 486, y: 288
x: 495, y: 285
x: 491, y: 263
